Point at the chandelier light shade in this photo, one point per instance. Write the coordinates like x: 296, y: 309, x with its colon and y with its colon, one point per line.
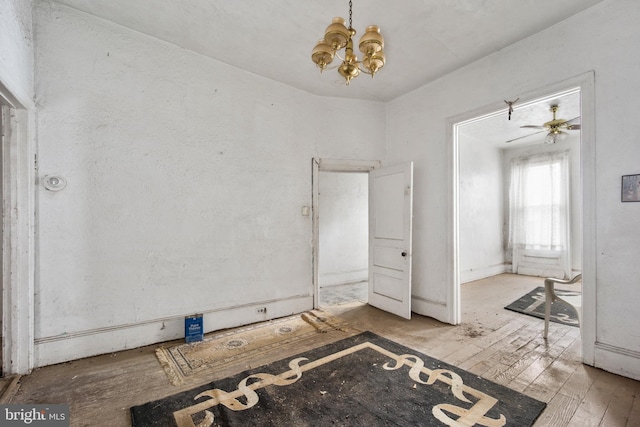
x: 338, y: 36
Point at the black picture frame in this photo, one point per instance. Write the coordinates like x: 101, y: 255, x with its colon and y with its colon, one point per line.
x: 630, y: 188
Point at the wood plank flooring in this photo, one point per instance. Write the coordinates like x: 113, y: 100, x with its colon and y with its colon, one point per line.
x: 492, y: 342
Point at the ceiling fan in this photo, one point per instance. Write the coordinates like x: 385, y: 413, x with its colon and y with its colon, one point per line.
x: 555, y: 128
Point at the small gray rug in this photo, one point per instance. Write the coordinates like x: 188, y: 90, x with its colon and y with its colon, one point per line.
x: 532, y: 304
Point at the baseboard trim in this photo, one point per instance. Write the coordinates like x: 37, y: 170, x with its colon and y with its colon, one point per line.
x: 426, y: 307
x: 484, y: 272
x: 618, y: 360
x: 344, y: 277
x: 92, y: 342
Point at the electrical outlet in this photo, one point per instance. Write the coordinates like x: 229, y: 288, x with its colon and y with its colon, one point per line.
x: 261, y: 310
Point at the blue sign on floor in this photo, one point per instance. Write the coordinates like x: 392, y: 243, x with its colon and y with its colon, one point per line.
x: 193, y: 328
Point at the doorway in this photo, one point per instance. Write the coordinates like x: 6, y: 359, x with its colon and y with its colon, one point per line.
x: 585, y: 83
x: 343, y: 256
x: 340, y: 227
x: 390, y: 213
x: 18, y: 232
x: 501, y: 169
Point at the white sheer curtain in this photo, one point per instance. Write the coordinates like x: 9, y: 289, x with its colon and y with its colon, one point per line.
x: 539, y: 207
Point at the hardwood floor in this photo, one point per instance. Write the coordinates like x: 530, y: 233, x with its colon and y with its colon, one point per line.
x: 497, y: 344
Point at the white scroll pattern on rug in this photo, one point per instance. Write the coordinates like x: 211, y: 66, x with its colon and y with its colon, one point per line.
x: 539, y: 299
x: 466, y: 417
x: 474, y: 416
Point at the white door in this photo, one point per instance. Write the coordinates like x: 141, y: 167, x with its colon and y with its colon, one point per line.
x: 390, y: 222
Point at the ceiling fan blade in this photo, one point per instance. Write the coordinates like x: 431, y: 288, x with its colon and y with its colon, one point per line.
x: 526, y: 136
x: 574, y: 127
x: 533, y: 127
x: 568, y: 122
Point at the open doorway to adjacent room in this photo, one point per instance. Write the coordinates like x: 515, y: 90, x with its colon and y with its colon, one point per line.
x: 343, y: 253
x: 494, y: 118
x: 362, y: 228
x: 496, y: 152
x: 340, y: 206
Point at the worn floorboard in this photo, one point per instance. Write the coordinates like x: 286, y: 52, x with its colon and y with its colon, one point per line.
x: 497, y: 344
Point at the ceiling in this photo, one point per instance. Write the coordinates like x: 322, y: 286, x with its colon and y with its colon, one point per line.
x: 495, y: 129
x: 424, y: 39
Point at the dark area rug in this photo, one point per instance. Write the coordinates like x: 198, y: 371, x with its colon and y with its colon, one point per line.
x: 533, y: 305
x: 364, y: 380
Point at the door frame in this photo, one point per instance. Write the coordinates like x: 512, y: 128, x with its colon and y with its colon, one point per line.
x: 586, y: 83
x: 328, y: 165
x: 19, y: 177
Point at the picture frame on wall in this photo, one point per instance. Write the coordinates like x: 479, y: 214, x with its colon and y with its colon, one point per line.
x: 631, y: 188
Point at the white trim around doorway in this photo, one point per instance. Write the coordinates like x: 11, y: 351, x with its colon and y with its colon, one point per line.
x: 586, y: 84
x: 18, y: 242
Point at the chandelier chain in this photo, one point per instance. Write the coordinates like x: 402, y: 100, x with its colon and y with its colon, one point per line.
x: 350, y: 15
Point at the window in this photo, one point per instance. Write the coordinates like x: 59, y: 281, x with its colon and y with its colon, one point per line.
x: 539, y: 205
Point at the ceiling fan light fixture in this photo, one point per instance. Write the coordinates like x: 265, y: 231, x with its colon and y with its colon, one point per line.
x: 338, y: 36
x: 554, y: 136
x: 555, y: 127
x: 551, y: 138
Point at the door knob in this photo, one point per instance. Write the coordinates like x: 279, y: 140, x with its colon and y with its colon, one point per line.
x: 404, y: 253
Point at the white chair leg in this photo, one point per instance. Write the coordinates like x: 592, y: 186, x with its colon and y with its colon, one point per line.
x: 548, y: 300
x: 550, y: 297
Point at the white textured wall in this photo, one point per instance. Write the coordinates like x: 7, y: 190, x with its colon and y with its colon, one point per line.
x: 16, y: 47
x: 186, y: 179
x: 481, y: 214
x: 344, y: 228
x: 484, y: 205
x: 600, y: 39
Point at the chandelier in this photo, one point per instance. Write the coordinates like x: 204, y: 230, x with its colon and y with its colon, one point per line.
x: 337, y: 36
